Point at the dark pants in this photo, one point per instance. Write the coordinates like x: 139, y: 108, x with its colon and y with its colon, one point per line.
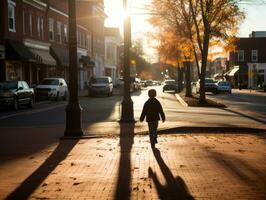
x: 153, y: 130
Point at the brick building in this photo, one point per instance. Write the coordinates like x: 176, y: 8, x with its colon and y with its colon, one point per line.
x: 248, y: 63
x: 34, y: 40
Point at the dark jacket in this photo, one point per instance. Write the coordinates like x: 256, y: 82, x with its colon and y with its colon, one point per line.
x: 151, y: 110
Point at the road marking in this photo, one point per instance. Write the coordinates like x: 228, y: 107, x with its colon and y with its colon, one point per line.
x: 32, y: 111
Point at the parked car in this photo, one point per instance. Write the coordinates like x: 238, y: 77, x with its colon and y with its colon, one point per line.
x: 264, y: 87
x: 52, y: 88
x: 135, y: 84
x: 170, y: 85
x: 224, y: 86
x: 210, y: 86
x: 16, y: 93
x: 149, y: 83
x: 100, y: 85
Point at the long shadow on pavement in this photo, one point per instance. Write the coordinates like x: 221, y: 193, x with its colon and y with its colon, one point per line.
x: 244, y: 115
x: 175, y: 188
x: 39, y: 175
x: 123, y: 190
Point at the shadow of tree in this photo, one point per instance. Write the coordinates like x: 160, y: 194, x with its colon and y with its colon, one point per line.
x: 175, y: 187
x: 123, y: 190
x: 29, y: 185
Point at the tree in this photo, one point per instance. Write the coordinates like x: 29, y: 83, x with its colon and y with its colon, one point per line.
x: 199, y: 22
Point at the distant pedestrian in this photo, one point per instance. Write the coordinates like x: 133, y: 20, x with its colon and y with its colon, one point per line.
x: 152, y: 110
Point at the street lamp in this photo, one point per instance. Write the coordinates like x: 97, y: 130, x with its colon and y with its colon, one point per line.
x: 73, y: 109
x: 127, y: 114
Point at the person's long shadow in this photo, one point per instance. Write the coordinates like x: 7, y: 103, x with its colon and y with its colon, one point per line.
x: 123, y: 190
x: 175, y: 188
x: 29, y: 185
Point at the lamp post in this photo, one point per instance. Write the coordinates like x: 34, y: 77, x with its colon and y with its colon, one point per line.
x: 73, y: 109
x: 127, y: 114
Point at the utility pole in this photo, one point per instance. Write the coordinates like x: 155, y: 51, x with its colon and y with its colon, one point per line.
x: 127, y: 114
x: 73, y: 109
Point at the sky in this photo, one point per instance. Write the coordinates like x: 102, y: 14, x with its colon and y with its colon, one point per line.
x: 255, y: 20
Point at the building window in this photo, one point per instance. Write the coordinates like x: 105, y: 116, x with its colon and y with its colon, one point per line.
x: 51, y: 29
x: 65, y: 36
x: 241, y: 56
x: 83, y: 39
x: 11, y: 16
x: 30, y: 23
x: 86, y: 40
x: 42, y: 26
x: 254, y: 55
x: 24, y: 21
x: 89, y: 42
x: 58, y: 35
x: 39, y: 26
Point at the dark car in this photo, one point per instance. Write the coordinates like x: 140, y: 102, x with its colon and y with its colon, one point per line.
x: 16, y: 93
x: 170, y: 85
x: 210, y: 86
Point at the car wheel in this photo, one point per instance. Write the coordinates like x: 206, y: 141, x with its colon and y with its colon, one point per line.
x: 16, y: 105
x: 57, y: 96
x: 65, y: 96
x: 31, y: 102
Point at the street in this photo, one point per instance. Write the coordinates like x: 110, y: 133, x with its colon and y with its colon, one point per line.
x: 246, y: 102
x: 243, y: 109
x: 29, y: 136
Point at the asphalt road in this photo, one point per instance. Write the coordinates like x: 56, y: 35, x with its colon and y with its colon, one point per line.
x: 243, y: 109
x: 245, y: 102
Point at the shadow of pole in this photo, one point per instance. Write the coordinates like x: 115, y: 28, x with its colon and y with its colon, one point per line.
x: 29, y: 185
x: 244, y: 115
x: 175, y: 188
x: 123, y: 190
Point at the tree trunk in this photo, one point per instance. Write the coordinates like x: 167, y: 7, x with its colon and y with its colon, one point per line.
x: 204, y: 57
x: 188, y: 79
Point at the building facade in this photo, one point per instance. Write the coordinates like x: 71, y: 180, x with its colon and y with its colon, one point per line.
x: 113, y: 41
x: 248, y: 63
x: 34, y: 40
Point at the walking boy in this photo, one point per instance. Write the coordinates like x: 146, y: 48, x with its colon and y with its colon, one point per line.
x: 152, y: 110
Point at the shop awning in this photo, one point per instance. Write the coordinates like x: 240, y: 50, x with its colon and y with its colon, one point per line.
x: 61, y: 55
x: 233, y: 71
x: 16, y: 50
x: 43, y: 56
x: 86, y: 60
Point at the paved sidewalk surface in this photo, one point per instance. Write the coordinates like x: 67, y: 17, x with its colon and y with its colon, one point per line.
x: 188, y: 166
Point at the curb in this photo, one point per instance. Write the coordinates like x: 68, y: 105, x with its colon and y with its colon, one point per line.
x: 179, y: 130
x: 183, y: 103
x: 202, y: 129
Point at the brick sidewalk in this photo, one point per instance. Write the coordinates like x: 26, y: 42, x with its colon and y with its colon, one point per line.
x: 208, y: 166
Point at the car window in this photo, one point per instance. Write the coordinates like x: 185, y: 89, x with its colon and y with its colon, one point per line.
x: 8, y: 85
x: 50, y: 82
x: 208, y: 80
x: 99, y: 80
x: 25, y: 85
x: 20, y: 84
x: 170, y: 82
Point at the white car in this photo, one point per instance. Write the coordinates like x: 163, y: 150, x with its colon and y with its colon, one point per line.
x: 52, y: 88
x: 224, y: 86
x: 100, y: 85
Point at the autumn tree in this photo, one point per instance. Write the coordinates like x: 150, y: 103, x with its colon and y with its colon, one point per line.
x: 200, y: 22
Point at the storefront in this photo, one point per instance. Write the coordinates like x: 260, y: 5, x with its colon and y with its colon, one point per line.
x: 17, y: 62
x: 45, y: 65
x: 256, y: 75
x: 61, y: 55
